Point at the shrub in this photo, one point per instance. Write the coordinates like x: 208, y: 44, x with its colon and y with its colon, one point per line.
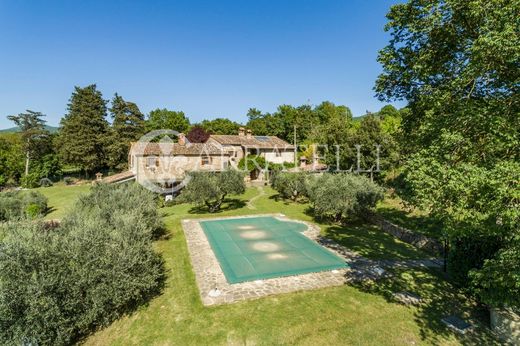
x: 69, y: 180
x: 58, y: 285
x: 45, y: 182
x: 19, y: 205
x: 467, y: 253
x: 210, y: 188
x: 290, y: 185
x: 111, y: 201
x: 252, y: 162
x: 30, y: 180
x: 341, y: 196
x: 497, y: 283
x: 33, y: 210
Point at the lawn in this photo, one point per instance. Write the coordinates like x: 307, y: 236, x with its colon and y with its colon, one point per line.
x: 392, y: 209
x: 338, y: 315
x: 61, y: 198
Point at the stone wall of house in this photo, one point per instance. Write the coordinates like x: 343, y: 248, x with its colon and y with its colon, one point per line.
x: 420, y: 241
x: 169, y: 168
x: 281, y: 156
x: 506, y: 325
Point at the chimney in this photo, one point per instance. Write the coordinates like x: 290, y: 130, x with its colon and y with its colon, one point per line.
x: 303, y: 161
x: 241, y: 131
x: 182, y: 139
x: 249, y: 134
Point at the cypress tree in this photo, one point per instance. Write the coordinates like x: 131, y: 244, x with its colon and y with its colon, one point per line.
x: 127, y: 126
x: 83, y: 133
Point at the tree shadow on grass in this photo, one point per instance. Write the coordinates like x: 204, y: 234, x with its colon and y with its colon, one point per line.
x: 278, y: 198
x: 369, y: 241
x: 424, y: 224
x: 161, y: 233
x: 227, y: 205
x: 439, y: 299
x: 49, y: 210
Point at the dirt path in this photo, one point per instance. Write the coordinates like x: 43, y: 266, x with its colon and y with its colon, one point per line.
x: 250, y: 203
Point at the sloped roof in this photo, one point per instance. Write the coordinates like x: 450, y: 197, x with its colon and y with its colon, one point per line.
x: 166, y: 149
x: 267, y: 142
x: 118, y: 177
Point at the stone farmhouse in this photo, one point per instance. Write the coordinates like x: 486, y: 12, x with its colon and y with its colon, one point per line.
x: 167, y: 163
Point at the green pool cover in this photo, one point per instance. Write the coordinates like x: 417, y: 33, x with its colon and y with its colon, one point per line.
x: 265, y: 247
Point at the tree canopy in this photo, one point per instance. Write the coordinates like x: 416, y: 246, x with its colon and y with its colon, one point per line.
x: 83, y: 133
x: 457, y: 63
x: 197, y: 134
x: 210, y: 189
x: 128, y: 125
x: 32, y: 128
x: 164, y: 119
x: 220, y: 126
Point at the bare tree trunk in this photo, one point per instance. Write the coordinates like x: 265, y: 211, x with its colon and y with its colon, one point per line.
x: 27, y: 158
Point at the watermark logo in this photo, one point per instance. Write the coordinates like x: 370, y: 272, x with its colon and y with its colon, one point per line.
x: 156, y: 162
x: 163, y: 160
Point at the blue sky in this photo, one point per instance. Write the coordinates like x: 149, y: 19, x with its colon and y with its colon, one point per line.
x: 207, y: 58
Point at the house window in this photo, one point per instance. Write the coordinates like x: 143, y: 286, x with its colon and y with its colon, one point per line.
x: 152, y: 162
x: 206, y: 160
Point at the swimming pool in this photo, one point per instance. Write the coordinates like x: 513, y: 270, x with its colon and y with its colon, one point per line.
x: 255, y: 248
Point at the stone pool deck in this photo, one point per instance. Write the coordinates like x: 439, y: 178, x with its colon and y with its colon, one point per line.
x: 214, y: 288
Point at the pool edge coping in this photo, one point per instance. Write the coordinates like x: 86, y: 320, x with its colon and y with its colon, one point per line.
x: 211, y: 281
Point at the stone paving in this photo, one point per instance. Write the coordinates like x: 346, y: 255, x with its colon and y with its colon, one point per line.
x: 215, y: 290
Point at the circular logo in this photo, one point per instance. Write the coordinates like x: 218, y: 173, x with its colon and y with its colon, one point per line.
x: 160, y: 167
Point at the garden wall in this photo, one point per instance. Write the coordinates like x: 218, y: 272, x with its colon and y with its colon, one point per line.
x: 420, y: 241
x: 506, y: 324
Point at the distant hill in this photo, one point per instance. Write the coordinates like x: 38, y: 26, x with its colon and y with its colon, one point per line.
x: 359, y: 118
x: 51, y: 129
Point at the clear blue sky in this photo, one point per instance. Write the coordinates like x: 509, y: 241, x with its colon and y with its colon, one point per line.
x: 207, y: 58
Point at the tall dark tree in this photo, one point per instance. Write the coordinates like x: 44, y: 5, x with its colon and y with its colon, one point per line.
x: 127, y: 126
x: 32, y: 128
x: 82, y: 138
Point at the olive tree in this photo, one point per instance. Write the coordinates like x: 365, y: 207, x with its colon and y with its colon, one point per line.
x: 290, y: 185
x: 211, y: 188
x: 18, y: 205
x: 57, y: 285
x: 342, y: 196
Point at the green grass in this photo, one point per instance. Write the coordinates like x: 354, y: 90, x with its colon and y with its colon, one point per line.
x: 61, y: 198
x: 339, y: 315
x: 413, y: 219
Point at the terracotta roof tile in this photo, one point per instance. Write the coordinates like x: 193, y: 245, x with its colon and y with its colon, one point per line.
x: 150, y: 148
x: 268, y: 142
x: 118, y: 177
